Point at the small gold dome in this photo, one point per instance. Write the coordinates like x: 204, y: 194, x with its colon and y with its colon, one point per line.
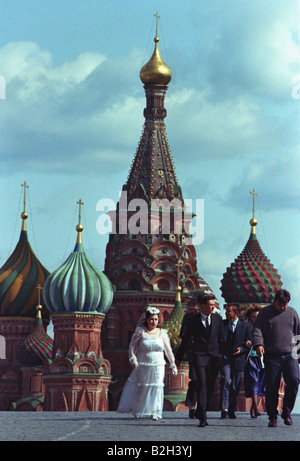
x: 155, y: 71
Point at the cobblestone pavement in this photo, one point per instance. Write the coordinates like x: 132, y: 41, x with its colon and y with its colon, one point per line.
x: 115, y: 428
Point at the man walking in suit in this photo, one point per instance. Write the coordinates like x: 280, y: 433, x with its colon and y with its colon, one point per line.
x: 237, y: 334
x: 205, y: 336
x: 191, y: 396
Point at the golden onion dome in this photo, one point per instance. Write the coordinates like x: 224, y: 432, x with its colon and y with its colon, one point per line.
x: 155, y: 71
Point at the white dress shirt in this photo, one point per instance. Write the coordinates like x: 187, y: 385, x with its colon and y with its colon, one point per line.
x: 233, y: 324
x: 204, y: 317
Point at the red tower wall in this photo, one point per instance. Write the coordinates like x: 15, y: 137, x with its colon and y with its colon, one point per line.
x: 78, y: 378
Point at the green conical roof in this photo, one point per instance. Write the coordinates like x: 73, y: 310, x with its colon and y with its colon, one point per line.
x: 173, y: 324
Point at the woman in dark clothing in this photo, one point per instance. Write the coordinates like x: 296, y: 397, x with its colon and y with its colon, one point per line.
x: 254, y: 374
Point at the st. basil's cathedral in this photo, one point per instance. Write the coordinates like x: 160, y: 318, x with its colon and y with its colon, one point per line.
x: 85, y: 365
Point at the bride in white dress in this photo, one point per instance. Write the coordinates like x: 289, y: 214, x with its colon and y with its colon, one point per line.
x: 143, y: 393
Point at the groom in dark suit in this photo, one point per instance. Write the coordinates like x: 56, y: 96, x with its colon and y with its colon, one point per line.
x: 204, y: 335
x: 191, y: 396
x: 237, y: 339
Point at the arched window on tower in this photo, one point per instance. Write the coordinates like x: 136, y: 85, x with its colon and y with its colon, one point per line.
x: 163, y: 285
x: 134, y: 285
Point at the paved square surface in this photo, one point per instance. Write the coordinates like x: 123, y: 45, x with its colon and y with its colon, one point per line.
x: 113, y: 428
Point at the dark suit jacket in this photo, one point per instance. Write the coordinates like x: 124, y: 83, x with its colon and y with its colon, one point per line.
x: 242, y: 333
x: 185, y: 323
x: 204, y: 345
x: 187, y: 318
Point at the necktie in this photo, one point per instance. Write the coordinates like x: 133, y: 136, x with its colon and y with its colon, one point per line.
x: 206, y: 323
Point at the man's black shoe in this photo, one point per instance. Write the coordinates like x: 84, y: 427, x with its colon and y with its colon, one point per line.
x: 232, y: 415
x: 192, y: 413
x: 202, y: 423
x: 224, y: 414
x: 287, y: 419
x: 272, y: 423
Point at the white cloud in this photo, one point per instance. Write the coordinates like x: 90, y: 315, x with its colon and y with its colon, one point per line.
x: 123, y: 116
x: 274, y: 176
x: 79, y: 69
x: 23, y: 60
x: 30, y: 72
x: 255, y: 50
x: 93, y: 105
x: 223, y: 128
x: 61, y: 115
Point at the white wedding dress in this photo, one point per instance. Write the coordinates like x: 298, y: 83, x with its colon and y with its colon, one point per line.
x: 143, y: 393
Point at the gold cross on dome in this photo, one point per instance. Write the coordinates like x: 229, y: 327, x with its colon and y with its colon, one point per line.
x: 39, y: 307
x: 253, y: 193
x: 80, y: 203
x: 157, y: 18
x: 39, y: 288
x: 24, y: 199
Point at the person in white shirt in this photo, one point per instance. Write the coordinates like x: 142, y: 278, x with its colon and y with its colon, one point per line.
x: 205, y: 336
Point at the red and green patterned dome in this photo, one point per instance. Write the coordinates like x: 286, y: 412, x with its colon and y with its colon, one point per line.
x: 251, y: 278
x: 37, y: 346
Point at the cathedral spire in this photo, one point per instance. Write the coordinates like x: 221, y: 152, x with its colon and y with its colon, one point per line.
x: 144, y: 258
x: 152, y: 174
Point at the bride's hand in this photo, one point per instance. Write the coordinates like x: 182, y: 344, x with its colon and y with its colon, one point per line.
x: 174, y: 371
x: 134, y: 364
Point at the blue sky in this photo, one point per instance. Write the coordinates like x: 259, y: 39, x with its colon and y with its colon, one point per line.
x: 73, y: 116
